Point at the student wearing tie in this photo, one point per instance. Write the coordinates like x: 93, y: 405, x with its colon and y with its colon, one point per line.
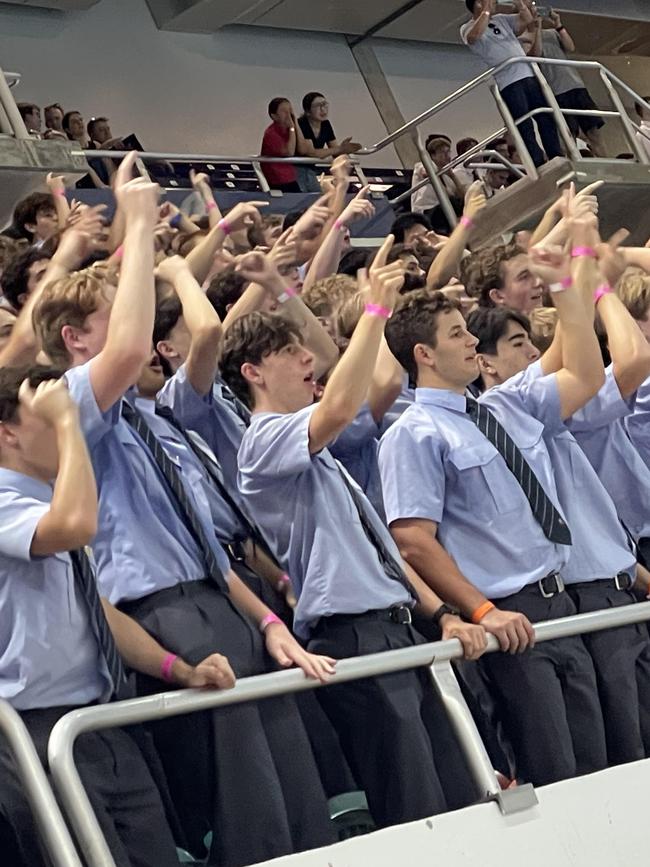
x: 472, y: 503
x: 160, y: 561
x: 62, y: 647
x: 354, y: 595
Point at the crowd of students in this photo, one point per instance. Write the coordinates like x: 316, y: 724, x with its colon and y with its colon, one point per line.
x: 231, y: 445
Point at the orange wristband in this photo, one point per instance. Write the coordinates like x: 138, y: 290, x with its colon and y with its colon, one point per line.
x: 481, y: 611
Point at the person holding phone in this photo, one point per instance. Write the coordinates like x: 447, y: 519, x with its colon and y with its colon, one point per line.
x: 494, y: 37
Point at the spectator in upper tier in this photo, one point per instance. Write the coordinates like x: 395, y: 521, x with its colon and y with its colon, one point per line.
x: 31, y: 115
x: 494, y: 38
x: 54, y: 117
x: 493, y: 180
x: 319, y: 139
x: 425, y: 200
x: 100, y: 170
x: 281, y: 140
x: 551, y: 39
x: 465, y: 176
x: 644, y: 116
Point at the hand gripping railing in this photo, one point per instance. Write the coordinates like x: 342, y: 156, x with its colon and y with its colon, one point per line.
x: 53, y: 830
x: 435, y: 656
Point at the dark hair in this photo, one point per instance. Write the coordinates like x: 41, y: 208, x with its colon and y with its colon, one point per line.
x: 26, y: 108
x: 15, y: 276
x: 309, y: 98
x: 638, y: 108
x: 355, y: 258
x: 168, y: 311
x: 416, y: 321
x: 470, y: 5
x: 405, y: 222
x: 497, y: 142
x: 225, y: 289
x: 11, y: 378
x: 435, y: 135
x: 490, y: 324
x: 292, y: 217
x: 275, y: 104
x: 65, y: 123
x: 90, y: 126
x: 465, y: 144
x: 483, y: 271
x: 252, y: 338
x: 27, y: 209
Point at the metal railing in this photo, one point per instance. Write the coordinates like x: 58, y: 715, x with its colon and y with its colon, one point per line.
x: 437, y: 657
x: 51, y: 825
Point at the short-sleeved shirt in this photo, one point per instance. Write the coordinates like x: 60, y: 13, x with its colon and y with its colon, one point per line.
x: 274, y: 144
x: 227, y: 525
x: 142, y: 544
x: 405, y: 398
x: 436, y: 465
x: 499, y: 43
x: 356, y: 448
x: 637, y: 423
x: 315, y: 533
x: 49, y: 656
x: 324, y: 137
x: 561, y: 78
x: 599, y: 545
x: 598, y: 427
x: 213, y: 416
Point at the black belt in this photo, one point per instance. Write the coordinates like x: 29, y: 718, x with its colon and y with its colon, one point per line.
x: 548, y: 586
x: 397, y: 614
x: 622, y: 581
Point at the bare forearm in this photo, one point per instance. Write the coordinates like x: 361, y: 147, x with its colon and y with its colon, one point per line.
x: 567, y: 41
x: 200, y: 259
x: 74, y: 498
x: 245, y: 599
x: 131, y: 323
x: 437, y: 569
x: 314, y: 335
x: 628, y: 348
x: 386, y: 382
x: 479, y: 28
x: 326, y: 260
x: 251, y: 299
x: 446, y: 263
x: 546, y: 224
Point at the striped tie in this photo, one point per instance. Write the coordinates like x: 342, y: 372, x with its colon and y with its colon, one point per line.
x: 84, y: 576
x: 173, y: 477
x: 546, y: 515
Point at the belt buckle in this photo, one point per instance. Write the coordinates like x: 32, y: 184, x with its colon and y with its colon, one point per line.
x: 401, y: 614
x: 618, y: 578
x: 559, y: 585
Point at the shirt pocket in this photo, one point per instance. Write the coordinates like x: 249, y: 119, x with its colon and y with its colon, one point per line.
x: 486, y: 486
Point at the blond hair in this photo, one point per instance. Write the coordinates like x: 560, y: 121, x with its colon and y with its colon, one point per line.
x: 68, y: 301
x: 326, y: 295
x: 634, y: 292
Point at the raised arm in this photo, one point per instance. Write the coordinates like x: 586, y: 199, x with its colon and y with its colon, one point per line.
x: 201, y: 320
x: 201, y: 184
x: 57, y: 188
x: 524, y: 17
x: 128, y: 340
x: 480, y: 24
x: 446, y: 263
x: 564, y: 36
x: 348, y: 385
x: 71, y: 521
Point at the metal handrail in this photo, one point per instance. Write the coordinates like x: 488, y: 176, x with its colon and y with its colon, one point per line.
x: 53, y: 830
x: 64, y: 734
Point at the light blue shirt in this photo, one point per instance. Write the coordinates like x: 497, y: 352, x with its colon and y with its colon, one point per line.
x: 436, y: 465
x: 356, y: 448
x: 637, y: 424
x: 226, y: 523
x: 212, y: 416
x: 600, y: 548
x: 598, y: 428
x: 403, y: 402
x: 494, y: 47
x: 49, y: 656
x: 142, y: 544
x: 311, y: 523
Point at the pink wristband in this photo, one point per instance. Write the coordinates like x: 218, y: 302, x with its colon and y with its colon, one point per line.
x: 288, y: 293
x: 378, y: 310
x: 119, y: 252
x: 224, y: 226
x: 283, y: 580
x: 268, y: 620
x: 564, y: 284
x: 578, y: 252
x: 60, y: 193
x: 339, y: 225
x: 166, y: 666
x: 602, y: 290
x: 466, y: 222
x: 210, y: 206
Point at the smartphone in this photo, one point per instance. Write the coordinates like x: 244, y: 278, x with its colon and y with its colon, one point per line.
x: 544, y: 11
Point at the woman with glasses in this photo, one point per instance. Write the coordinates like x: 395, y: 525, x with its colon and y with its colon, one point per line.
x: 319, y: 139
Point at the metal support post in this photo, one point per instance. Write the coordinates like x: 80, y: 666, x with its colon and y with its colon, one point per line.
x: 436, y: 182
x: 638, y: 148
x: 562, y: 127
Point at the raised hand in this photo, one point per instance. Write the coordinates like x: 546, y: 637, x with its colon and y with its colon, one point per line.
x: 199, y: 179
x: 310, y: 225
x: 611, y: 260
x: 257, y: 267
x: 551, y: 264
x: 139, y: 200
x: 243, y: 215
x: 385, y: 280
x: 285, y: 251
x: 474, y: 204
x: 50, y: 401
x: 80, y: 238
x: 55, y: 184
x: 358, y: 209
x: 171, y: 268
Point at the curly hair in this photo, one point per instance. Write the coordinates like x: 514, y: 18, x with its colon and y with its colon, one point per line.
x: 482, y: 271
x: 326, y: 296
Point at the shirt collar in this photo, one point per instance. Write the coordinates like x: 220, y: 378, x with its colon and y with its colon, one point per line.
x: 441, y: 397
x: 25, y: 484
